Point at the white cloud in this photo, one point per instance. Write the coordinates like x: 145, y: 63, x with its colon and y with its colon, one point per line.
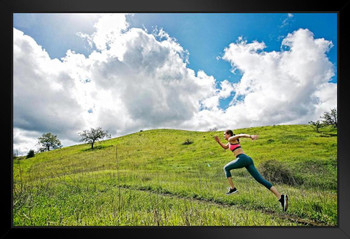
x: 131, y: 81
x: 43, y: 89
x: 287, y: 20
x: 282, y: 87
x: 136, y: 80
x: 109, y: 29
x: 226, y: 89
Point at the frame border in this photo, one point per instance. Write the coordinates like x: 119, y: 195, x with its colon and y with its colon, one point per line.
x: 342, y: 8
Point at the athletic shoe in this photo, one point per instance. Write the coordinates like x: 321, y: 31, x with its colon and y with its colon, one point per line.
x: 284, y: 202
x: 231, y: 191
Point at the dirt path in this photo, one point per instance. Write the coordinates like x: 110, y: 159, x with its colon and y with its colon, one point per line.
x: 292, y: 218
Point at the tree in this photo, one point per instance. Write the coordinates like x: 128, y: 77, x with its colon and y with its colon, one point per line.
x: 317, y: 125
x: 93, y: 135
x: 49, y: 141
x: 330, y: 118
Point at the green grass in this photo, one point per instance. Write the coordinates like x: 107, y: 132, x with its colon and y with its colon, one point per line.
x: 160, y: 180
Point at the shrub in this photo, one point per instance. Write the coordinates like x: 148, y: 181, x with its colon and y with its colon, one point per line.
x: 277, y: 172
x: 30, y: 154
x: 187, y: 142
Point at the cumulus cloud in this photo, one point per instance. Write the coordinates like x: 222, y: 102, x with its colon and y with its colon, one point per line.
x: 136, y: 80
x: 141, y: 80
x: 132, y: 80
x: 290, y: 86
x: 43, y: 89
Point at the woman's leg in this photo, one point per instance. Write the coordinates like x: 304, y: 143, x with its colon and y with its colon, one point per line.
x: 238, y: 163
x: 229, y: 179
x: 274, y: 190
x: 257, y: 176
x: 282, y: 198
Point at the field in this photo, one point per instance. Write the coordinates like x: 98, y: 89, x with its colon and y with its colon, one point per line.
x: 175, y: 178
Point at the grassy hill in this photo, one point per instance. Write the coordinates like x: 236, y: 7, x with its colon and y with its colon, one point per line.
x: 176, y: 178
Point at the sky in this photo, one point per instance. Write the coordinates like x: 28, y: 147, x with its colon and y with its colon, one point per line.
x: 191, y: 71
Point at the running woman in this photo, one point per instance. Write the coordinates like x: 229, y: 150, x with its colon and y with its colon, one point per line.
x: 243, y: 160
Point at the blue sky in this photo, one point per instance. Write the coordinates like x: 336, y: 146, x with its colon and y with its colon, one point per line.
x: 204, y: 35
x: 293, y: 88
x: 208, y: 34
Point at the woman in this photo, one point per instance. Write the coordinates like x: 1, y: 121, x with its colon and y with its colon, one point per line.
x: 243, y: 160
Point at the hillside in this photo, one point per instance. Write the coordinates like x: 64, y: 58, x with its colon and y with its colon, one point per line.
x: 156, y: 179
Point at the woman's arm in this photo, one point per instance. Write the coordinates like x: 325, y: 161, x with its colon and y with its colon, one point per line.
x: 224, y: 146
x: 233, y: 138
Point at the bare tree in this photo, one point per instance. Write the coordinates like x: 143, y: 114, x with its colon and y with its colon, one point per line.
x: 317, y: 125
x: 93, y: 135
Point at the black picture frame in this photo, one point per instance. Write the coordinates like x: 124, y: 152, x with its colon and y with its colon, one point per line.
x: 342, y: 8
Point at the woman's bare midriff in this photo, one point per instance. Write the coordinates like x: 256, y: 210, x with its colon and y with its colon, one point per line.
x: 238, y: 152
